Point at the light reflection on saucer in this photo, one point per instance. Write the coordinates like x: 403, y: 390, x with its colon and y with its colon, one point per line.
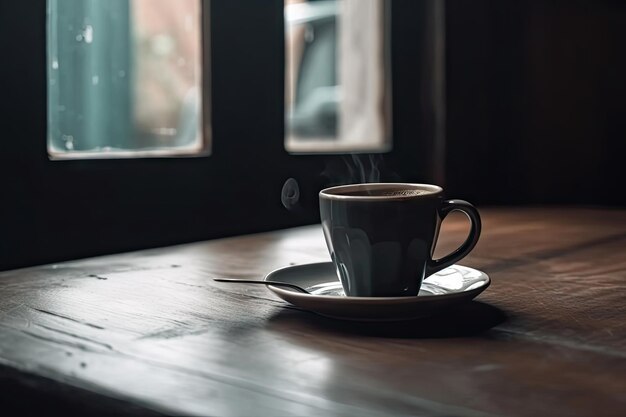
x: 327, y: 288
x: 452, y: 279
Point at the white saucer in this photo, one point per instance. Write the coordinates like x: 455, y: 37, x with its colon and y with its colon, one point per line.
x: 449, y: 287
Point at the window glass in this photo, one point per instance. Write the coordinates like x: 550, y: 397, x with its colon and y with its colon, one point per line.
x: 337, y: 76
x: 124, y: 78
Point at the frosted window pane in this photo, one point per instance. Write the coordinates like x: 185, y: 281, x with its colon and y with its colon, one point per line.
x: 124, y: 78
x: 337, y: 76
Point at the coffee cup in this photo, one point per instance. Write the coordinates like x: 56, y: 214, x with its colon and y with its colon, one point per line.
x: 381, y: 236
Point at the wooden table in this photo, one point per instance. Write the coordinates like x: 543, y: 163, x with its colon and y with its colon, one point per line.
x: 149, y: 332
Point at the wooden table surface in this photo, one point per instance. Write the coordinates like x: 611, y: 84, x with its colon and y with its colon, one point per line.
x: 150, y: 332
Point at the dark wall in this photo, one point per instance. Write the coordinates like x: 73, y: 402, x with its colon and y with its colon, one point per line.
x: 536, y: 97
x: 535, y: 103
x: 56, y: 210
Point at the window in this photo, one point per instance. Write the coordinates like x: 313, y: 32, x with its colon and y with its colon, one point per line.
x: 125, y: 78
x: 337, y: 76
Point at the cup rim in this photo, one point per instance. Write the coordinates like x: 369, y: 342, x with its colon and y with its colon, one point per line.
x: 334, y: 193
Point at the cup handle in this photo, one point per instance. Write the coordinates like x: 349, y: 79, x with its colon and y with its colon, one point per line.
x: 448, y: 206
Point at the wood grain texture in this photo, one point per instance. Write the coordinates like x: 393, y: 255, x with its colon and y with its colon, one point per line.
x: 152, y: 330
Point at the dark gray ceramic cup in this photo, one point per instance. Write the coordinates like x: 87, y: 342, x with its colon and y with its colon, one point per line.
x: 381, y: 237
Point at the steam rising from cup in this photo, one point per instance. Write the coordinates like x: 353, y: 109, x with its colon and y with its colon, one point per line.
x: 349, y: 169
x: 357, y: 169
x: 365, y: 173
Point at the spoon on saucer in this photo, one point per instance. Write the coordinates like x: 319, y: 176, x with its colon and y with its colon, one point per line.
x: 251, y: 281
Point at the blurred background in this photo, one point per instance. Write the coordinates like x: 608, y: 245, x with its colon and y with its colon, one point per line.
x: 139, y: 123
x: 123, y: 77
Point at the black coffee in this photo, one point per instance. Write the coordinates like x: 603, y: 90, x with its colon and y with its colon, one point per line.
x: 386, y: 192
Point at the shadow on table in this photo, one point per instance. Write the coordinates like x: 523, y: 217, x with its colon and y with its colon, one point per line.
x: 32, y: 395
x: 467, y: 320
